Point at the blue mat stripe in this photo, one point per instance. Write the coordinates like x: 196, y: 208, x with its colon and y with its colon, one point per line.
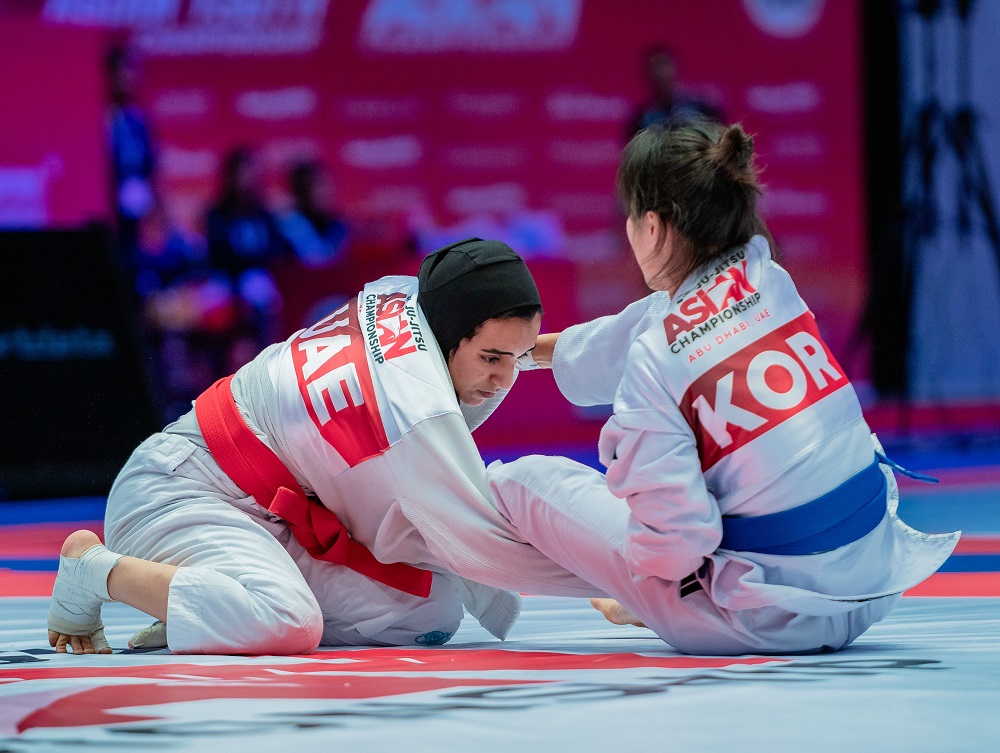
x: 53, y: 510
x: 971, y: 563
x: 957, y: 563
x: 31, y: 565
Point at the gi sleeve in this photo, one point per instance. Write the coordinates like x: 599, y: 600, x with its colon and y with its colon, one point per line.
x: 653, y: 464
x: 589, y: 358
x: 453, y: 508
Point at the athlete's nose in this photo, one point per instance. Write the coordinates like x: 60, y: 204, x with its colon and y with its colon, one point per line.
x: 504, y: 378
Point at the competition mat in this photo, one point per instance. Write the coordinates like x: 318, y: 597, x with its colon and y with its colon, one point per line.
x: 925, y: 679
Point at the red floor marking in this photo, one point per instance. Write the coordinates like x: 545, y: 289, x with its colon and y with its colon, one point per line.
x: 17, y: 583
x: 972, y: 544
x: 458, y: 659
x: 958, y: 584
x: 96, y: 706
x: 376, y: 673
x: 385, y: 662
x: 42, y: 540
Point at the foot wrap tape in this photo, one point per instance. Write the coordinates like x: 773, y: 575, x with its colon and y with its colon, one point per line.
x: 80, y: 589
x: 154, y: 636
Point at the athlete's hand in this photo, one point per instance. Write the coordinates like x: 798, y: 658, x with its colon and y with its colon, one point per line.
x: 539, y: 357
x: 527, y: 362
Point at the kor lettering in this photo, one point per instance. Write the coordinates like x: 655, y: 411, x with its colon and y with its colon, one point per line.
x: 759, y: 387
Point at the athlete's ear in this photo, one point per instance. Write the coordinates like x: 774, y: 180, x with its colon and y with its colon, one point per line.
x: 454, y: 351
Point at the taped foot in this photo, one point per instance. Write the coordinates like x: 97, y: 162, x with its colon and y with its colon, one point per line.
x: 80, y: 589
x: 154, y: 636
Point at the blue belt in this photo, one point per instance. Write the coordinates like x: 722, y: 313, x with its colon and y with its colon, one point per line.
x: 837, y: 518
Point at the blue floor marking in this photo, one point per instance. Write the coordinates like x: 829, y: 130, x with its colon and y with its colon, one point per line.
x: 971, y: 563
x: 946, y: 454
x: 943, y: 510
x: 53, y: 510
x: 31, y: 565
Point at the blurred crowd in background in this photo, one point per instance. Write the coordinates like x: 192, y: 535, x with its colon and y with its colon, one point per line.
x: 209, y: 298
x: 208, y: 295
x: 266, y: 159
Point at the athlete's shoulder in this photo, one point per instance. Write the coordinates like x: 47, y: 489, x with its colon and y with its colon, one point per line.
x: 718, y: 293
x: 393, y: 284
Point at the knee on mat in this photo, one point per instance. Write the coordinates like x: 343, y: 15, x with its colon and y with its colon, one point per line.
x: 294, y: 626
x: 303, y: 631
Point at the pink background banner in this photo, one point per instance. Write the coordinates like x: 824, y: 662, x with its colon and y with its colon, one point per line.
x: 500, y: 119
x: 53, y: 163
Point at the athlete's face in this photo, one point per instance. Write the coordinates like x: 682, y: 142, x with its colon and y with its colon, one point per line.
x: 484, y: 364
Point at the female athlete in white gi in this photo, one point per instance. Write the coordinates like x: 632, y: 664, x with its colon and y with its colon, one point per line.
x: 330, y: 491
x: 758, y: 517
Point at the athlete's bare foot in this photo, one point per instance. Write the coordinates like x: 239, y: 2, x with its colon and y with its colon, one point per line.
x: 615, y: 612
x: 75, y: 545
x: 78, y: 542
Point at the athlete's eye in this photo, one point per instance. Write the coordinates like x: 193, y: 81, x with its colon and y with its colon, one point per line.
x: 491, y: 359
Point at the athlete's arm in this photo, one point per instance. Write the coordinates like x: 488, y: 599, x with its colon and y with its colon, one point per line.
x: 589, y: 359
x: 541, y: 354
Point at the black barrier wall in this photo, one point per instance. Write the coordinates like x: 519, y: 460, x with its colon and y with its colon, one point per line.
x: 75, y: 397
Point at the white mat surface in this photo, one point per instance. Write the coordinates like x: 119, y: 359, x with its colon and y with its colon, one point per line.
x: 925, y: 680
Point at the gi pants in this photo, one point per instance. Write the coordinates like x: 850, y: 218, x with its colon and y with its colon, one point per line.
x: 566, y: 511
x: 245, y: 585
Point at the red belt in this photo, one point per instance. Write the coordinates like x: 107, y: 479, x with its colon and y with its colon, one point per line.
x: 254, y: 467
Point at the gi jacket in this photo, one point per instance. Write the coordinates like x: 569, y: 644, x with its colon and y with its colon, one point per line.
x: 728, y: 402
x: 361, y: 409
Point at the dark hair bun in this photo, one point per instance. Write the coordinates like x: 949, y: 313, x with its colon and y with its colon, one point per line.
x: 733, y: 152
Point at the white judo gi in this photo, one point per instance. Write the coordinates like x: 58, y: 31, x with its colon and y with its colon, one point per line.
x: 726, y: 403
x: 361, y: 409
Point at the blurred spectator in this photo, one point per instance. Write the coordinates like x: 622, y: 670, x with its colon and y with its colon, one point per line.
x: 243, y: 242
x: 166, y: 253
x: 313, y: 227
x: 664, y: 106
x: 180, y: 305
x: 132, y: 156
